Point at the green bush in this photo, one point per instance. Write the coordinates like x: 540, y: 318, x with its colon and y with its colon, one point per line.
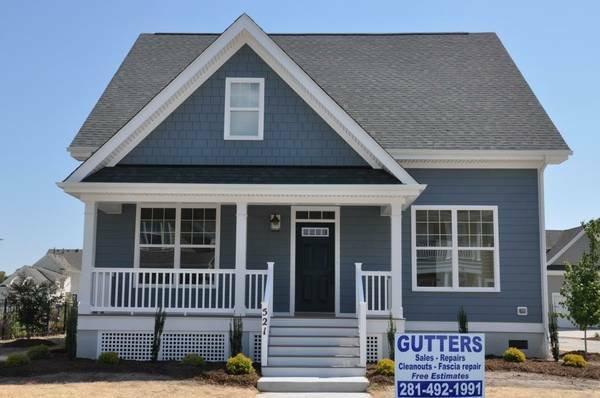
x: 38, y: 352
x: 239, y: 365
x: 514, y: 355
x: 194, y: 360
x: 108, y: 358
x: 17, y: 359
x: 574, y: 360
x: 385, y: 367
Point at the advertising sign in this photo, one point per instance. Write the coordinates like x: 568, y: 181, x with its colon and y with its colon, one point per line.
x: 440, y: 365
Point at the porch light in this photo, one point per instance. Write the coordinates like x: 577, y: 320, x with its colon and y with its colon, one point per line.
x: 275, y: 220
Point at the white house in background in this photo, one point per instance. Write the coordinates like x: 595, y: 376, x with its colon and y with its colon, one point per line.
x: 315, y: 185
x: 562, y: 247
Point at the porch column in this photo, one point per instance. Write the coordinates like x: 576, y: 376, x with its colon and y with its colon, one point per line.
x: 88, y: 256
x: 396, y: 259
x: 241, y: 230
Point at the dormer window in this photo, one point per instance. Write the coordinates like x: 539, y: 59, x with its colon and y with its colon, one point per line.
x: 244, y: 108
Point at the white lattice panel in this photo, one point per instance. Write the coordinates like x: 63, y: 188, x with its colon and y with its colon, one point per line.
x: 373, y: 348
x: 211, y: 346
x: 256, y: 347
x: 135, y: 346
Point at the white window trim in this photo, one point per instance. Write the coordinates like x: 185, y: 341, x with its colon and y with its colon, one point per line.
x: 260, y: 109
x: 177, y: 246
x: 454, y: 248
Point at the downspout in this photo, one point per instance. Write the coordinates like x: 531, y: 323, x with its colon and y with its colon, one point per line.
x: 544, y: 273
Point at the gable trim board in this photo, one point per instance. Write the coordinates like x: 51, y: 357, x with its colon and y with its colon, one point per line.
x: 243, y: 31
x: 566, y: 247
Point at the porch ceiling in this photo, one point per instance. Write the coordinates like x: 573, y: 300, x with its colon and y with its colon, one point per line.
x: 243, y: 175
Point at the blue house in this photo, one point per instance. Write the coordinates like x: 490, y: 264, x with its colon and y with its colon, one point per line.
x: 316, y: 185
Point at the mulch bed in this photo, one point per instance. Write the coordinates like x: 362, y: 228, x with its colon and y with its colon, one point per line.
x: 24, y: 343
x: 214, y: 372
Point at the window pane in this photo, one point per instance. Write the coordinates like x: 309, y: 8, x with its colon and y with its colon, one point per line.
x: 244, y: 95
x: 475, y: 228
x: 434, y: 268
x: 197, y: 258
x: 328, y: 215
x: 244, y: 123
x: 157, y: 226
x: 476, y: 268
x: 302, y: 215
x: 434, y: 228
x: 156, y: 257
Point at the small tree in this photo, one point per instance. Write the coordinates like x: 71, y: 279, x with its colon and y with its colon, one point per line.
x: 553, y: 330
x: 159, y: 325
x: 236, y: 330
x: 71, y: 328
x: 581, y: 287
x: 33, y: 304
x: 391, y: 336
x: 463, y: 322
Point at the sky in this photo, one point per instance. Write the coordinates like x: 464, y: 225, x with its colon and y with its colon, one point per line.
x: 56, y: 58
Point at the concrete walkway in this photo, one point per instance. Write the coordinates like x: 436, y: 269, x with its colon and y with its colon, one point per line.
x: 572, y: 340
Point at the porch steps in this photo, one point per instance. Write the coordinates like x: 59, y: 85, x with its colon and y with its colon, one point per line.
x: 313, y: 355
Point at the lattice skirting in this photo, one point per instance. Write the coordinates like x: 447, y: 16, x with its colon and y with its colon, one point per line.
x: 373, y: 348
x: 174, y: 345
x: 256, y: 343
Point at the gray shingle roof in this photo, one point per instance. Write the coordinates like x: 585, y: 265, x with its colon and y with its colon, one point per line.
x: 409, y: 91
x: 556, y: 240
x: 242, y: 175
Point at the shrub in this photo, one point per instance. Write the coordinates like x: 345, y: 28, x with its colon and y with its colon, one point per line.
x: 514, y: 355
x: 574, y: 360
x: 385, y: 367
x: 193, y: 360
x: 463, y: 322
x: 391, y: 336
x: 553, y: 330
x: 236, y: 331
x: 38, y: 352
x: 71, y: 328
x: 108, y: 358
x: 239, y: 365
x: 17, y: 359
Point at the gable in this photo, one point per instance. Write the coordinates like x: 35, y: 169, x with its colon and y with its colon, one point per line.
x: 573, y: 254
x: 293, y: 133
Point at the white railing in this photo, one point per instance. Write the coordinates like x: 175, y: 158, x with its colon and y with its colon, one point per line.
x: 377, y: 288
x: 266, y: 311
x: 361, y: 314
x: 176, y: 290
x: 256, y: 282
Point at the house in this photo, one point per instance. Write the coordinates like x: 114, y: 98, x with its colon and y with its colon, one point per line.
x: 57, y: 266
x: 562, y: 247
x: 315, y: 185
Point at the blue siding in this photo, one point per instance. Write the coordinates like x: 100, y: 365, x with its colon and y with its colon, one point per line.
x: 115, y: 238
x: 293, y: 133
x: 265, y: 245
x: 364, y: 238
x: 515, y: 194
x: 227, y: 249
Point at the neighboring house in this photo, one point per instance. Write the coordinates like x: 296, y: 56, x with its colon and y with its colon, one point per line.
x: 562, y: 247
x: 323, y: 181
x: 59, y: 266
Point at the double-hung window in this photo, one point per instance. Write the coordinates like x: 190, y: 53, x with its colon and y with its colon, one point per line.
x: 244, y: 108
x: 455, y: 248
x: 177, y: 237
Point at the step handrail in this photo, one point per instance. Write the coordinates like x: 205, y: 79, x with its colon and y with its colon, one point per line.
x: 361, y: 314
x: 266, y: 311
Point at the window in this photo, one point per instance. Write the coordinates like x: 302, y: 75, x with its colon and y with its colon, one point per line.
x: 455, y: 248
x: 244, y: 108
x: 177, y: 237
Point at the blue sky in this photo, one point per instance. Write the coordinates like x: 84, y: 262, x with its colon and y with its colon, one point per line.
x: 57, y: 57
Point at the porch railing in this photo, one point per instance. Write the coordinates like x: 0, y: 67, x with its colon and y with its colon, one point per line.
x: 176, y: 290
x: 377, y: 288
x: 361, y: 314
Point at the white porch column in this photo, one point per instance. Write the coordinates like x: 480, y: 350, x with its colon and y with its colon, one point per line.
x: 241, y: 236
x: 396, y: 259
x: 88, y: 256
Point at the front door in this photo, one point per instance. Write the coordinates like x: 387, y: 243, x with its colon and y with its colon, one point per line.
x: 315, y: 267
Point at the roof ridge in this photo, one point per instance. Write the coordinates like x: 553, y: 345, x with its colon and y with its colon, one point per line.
x: 328, y: 34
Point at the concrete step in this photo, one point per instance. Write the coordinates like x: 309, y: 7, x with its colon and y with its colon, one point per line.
x: 313, y: 371
x: 282, y: 350
x: 314, y: 360
x: 303, y: 340
x: 321, y: 331
x: 313, y: 384
x: 331, y: 322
